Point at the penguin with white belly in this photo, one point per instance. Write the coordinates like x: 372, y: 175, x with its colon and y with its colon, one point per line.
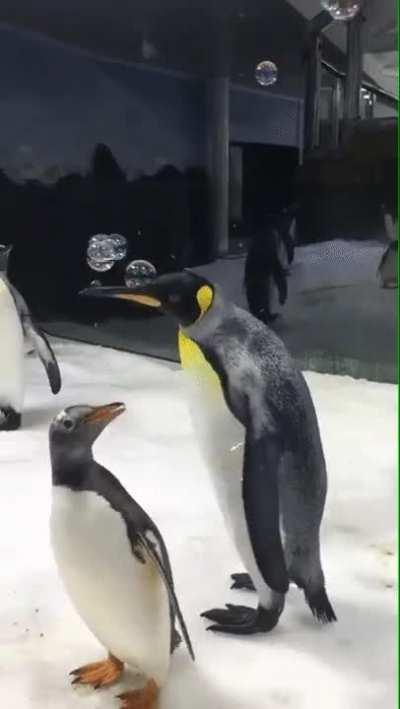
x: 255, y: 419
x: 15, y: 323
x: 112, y: 560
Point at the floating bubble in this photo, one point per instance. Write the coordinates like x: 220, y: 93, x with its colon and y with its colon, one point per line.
x: 95, y: 283
x: 266, y: 73
x: 342, y: 9
x: 104, y: 248
x: 100, y: 266
x: 120, y: 246
x: 138, y: 272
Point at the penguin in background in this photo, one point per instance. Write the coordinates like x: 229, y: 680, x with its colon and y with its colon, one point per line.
x: 387, y: 270
x: 112, y: 560
x: 16, y: 323
x: 257, y: 427
x: 270, y: 254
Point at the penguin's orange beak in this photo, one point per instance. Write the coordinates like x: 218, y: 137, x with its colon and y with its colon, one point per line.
x: 105, y: 414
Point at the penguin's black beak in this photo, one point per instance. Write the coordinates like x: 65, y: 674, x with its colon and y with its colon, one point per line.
x: 144, y: 295
x: 104, y: 414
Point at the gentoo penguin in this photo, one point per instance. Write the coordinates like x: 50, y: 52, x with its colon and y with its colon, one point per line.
x: 112, y: 560
x: 15, y: 322
x: 258, y: 429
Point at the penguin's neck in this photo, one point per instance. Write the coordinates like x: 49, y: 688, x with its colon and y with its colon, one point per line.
x: 210, y: 321
x: 70, y: 468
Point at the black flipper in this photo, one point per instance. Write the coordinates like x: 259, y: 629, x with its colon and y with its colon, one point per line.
x: 39, y: 342
x: 288, y: 242
x: 261, y: 505
x: 280, y: 279
x: 152, y: 551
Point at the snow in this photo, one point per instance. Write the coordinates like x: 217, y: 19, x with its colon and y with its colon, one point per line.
x: 152, y: 449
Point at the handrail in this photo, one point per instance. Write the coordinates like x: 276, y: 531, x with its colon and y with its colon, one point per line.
x: 366, y: 85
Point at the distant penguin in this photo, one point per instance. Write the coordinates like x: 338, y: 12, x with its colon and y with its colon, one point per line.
x: 112, y: 560
x: 257, y: 427
x: 15, y: 322
x: 269, y: 257
x: 387, y: 270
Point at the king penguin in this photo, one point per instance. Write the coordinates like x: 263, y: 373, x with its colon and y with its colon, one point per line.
x: 112, y: 560
x: 257, y: 427
x: 15, y: 323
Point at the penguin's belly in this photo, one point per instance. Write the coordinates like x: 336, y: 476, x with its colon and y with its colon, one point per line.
x: 221, y: 437
x: 11, y: 352
x: 123, y: 601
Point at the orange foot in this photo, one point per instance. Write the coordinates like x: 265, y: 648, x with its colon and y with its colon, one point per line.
x: 145, y: 698
x: 99, y: 674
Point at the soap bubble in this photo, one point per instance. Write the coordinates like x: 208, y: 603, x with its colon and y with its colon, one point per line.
x: 107, y: 247
x: 100, y: 266
x: 95, y: 284
x: 120, y: 246
x: 138, y: 272
x: 342, y: 9
x: 266, y: 73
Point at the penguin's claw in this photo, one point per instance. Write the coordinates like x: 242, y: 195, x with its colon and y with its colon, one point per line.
x: 242, y: 582
x: 99, y: 674
x: 241, y: 620
x: 145, y: 698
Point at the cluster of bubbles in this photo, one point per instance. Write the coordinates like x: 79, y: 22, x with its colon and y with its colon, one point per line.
x: 266, y: 73
x: 342, y: 9
x: 138, y: 272
x: 104, y: 250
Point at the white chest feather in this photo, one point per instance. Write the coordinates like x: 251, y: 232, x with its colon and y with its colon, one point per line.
x: 11, y: 351
x: 122, y: 601
x: 221, y: 437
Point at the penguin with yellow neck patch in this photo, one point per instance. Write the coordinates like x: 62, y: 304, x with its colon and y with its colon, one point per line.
x: 258, y: 431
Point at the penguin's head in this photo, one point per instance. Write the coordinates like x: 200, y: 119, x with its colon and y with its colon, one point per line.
x: 5, y: 250
x: 184, y: 295
x: 75, y: 429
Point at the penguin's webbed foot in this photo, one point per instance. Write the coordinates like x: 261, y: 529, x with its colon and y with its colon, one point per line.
x: 242, y: 582
x: 10, y: 420
x: 320, y: 606
x: 99, y: 674
x: 145, y: 698
x: 241, y: 620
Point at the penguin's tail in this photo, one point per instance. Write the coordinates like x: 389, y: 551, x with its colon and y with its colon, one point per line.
x: 320, y: 606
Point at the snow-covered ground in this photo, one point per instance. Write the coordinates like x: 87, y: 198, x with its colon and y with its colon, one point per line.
x: 152, y: 449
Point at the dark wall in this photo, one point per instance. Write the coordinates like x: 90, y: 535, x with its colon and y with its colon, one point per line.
x: 88, y: 146
x: 57, y: 104
x: 343, y: 193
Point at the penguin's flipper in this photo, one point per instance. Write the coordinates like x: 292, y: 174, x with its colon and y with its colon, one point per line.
x: 280, y: 280
x: 39, y: 342
x: 151, y: 548
x: 261, y: 503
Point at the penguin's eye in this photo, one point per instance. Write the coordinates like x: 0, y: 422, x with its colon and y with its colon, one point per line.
x: 68, y: 424
x: 174, y: 298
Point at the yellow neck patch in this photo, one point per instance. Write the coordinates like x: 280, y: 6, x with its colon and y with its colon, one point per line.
x: 204, y: 298
x: 193, y: 360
